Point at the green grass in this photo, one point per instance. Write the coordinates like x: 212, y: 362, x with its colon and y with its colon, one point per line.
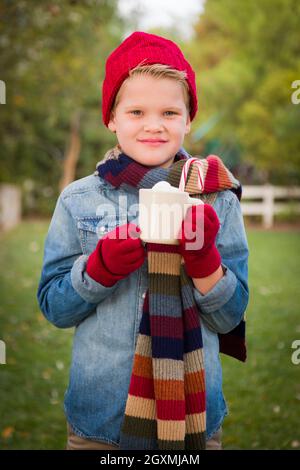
x: 263, y: 395
x: 33, y: 381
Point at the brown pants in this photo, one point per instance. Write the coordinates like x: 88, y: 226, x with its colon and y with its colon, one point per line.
x: 79, y: 443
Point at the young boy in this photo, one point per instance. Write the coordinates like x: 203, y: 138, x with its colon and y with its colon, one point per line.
x: 150, y: 318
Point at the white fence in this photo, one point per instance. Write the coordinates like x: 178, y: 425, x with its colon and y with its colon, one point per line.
x: 263, y: 201
x: 10, y: 206
x: 256, y: 200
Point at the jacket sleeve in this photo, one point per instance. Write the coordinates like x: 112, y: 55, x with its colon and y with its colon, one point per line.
x: 223, y: 307
x: 66, y: 294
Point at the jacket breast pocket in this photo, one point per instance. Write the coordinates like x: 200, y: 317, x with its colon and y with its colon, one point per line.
x: 92, y: 228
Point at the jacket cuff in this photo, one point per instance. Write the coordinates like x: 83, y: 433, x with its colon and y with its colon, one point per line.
x: 219, y: 295
x: 90, y: 290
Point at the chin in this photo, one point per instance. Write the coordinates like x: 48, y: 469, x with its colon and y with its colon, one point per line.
x: 151, y: 162
x: 151, y: 158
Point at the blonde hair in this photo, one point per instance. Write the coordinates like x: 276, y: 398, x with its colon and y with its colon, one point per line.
x: 158, y: 71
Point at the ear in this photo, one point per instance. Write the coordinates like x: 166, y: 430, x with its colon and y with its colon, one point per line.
x: 112, y: 125
x: 188, y: 125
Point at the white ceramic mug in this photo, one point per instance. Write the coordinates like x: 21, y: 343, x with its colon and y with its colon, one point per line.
x: 161, y: 212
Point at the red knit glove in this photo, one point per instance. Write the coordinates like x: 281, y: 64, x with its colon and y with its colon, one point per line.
x: 200, y: 227
x: 117, y: 255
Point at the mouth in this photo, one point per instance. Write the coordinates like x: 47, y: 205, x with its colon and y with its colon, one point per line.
x: 152, y: 142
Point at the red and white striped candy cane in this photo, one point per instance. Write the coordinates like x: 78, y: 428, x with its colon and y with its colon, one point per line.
x: 185, y: 170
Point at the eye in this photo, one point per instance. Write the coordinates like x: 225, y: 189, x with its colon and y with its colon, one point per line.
x: 136, y: 112
x: 170, y: 113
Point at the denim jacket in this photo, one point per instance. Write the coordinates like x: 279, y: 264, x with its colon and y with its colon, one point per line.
x: 106, y: 319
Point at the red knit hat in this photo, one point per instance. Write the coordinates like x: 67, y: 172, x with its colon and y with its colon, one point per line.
x: 149, y: 49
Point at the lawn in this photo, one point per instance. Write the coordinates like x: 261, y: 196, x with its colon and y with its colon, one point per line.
x: 263, y: 395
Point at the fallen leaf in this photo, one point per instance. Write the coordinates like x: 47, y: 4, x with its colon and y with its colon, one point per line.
x: 46, y: 374
x: 7, y: 432
x: 40, y: 317
x: 34, y: 247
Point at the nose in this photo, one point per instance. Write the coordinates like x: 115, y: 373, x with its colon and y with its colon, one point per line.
x: 153, y: 124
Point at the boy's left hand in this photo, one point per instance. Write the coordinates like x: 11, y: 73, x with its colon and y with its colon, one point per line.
x: 197, y: 241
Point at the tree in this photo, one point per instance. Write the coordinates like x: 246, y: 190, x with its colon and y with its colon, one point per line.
x: 52, y: 62
x: 246, y: 57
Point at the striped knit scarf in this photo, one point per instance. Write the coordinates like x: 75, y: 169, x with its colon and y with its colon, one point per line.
x: 165, y: 407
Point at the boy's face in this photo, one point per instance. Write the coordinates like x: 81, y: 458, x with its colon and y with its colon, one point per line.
x: 151, y: 120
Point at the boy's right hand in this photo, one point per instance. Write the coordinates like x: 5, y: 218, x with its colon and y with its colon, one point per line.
x: 117, y: 255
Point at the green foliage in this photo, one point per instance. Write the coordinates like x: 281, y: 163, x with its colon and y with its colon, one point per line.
x: 53, y: 56
x: 246, y: 57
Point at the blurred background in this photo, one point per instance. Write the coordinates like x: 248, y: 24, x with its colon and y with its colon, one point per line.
x: 246, y: 56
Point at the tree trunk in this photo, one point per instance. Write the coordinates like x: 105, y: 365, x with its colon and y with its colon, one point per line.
x: 72, y: 153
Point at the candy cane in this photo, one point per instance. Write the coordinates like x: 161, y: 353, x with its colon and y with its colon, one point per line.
x: 185, y: 170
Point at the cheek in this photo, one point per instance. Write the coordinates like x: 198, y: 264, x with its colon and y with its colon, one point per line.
x: 177, y: 127
x: 127, y: 127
